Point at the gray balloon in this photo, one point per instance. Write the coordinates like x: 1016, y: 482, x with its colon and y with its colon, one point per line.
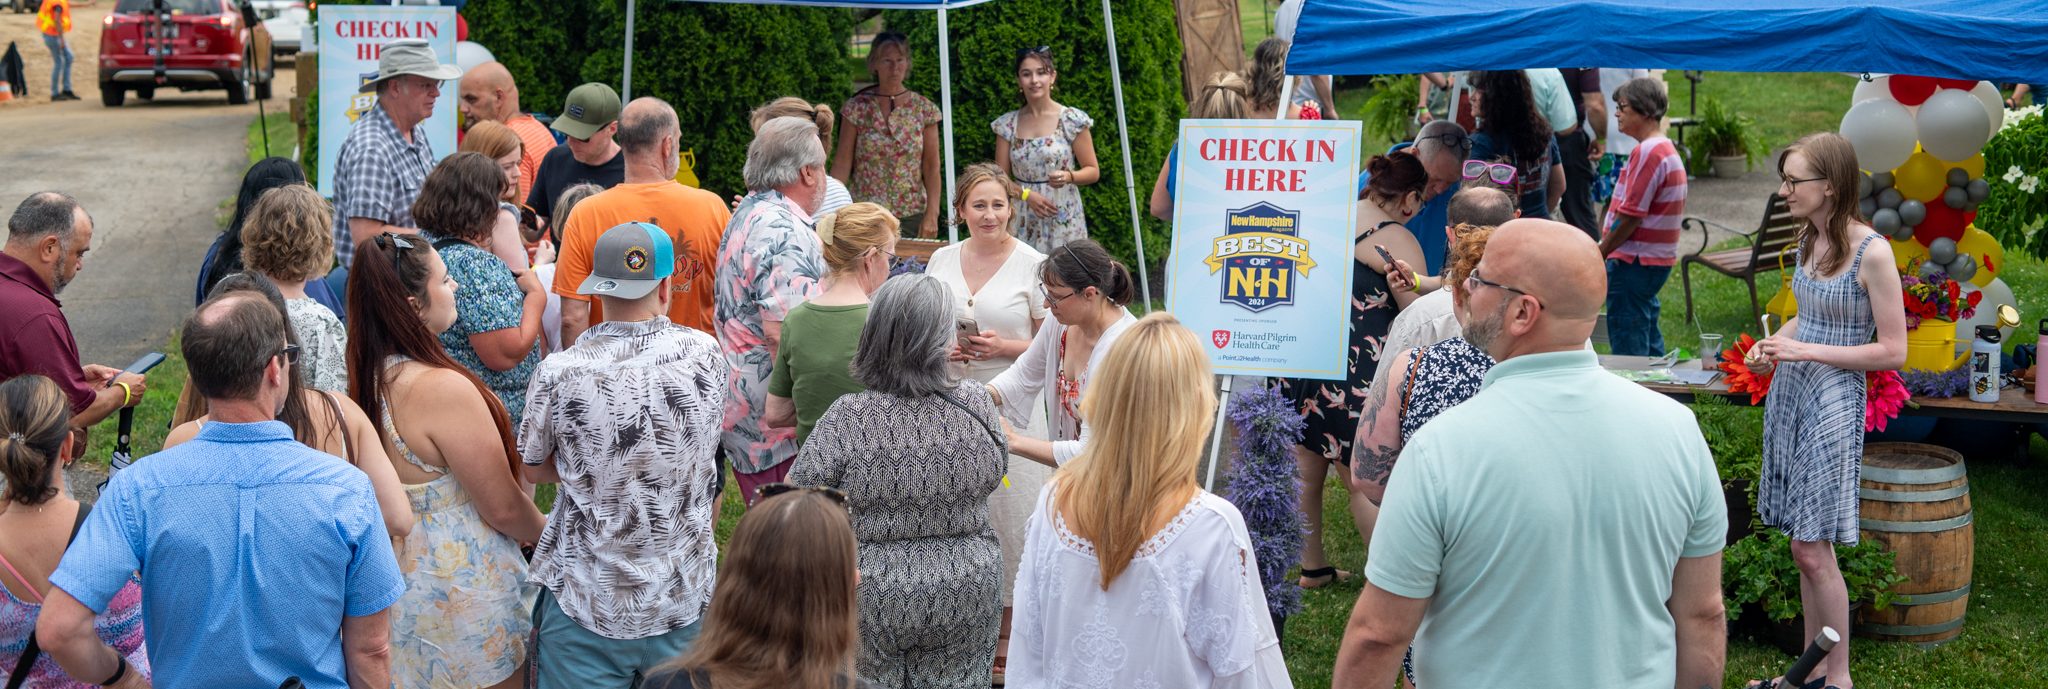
x: 1941, y: 251
x: 1885, y: 221
x: 1955, y: 197
x: 1957, y: 177
x: 1929, y: 268
x: 1978, y: 190
x: 1905, y: 232
x: 1882, y: 180
x: 1864, y: 188
x: 1912, y: 212
x: 1963, y: 268
x: 1867, y: 206
x: 1889, y: 198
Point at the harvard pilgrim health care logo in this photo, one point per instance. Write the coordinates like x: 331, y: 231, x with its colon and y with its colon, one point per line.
x: 1262, y: 253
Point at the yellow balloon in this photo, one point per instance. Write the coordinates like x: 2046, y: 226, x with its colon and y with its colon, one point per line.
x: 1922, y: 178
x: 1906, y: 251
x: 1990, y: 256
x: 1973, y: 165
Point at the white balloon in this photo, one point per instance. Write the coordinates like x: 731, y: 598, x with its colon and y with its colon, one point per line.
x: 1987, y: 93
x: 1995, y: 294
x: 1882, y: 133
x: 1879, y: 86
x: 469, y: 54
x: 1951, y: 125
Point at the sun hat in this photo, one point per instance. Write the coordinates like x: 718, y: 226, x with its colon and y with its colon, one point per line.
x: 629, y: 261
x: 409, y: 56
x: 587, y: 109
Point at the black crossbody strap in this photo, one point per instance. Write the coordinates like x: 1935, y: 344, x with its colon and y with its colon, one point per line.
x: 28, y: 655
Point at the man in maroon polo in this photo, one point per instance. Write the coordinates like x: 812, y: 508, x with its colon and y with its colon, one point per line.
x: 47, y: 238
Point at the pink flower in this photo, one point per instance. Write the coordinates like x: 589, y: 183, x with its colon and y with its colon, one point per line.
x: 1886, y: 394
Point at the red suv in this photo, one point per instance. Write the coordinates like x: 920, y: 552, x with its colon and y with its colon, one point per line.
x: 188, y: 44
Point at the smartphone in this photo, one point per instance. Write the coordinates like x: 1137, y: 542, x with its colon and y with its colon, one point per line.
x: 142, y: 365
x: 965, y: 327
x: 1384, y: 256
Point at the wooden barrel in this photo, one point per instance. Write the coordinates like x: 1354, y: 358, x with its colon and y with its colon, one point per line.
x: 1916, y: 504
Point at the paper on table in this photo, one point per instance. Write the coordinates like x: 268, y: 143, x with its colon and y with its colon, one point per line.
x: 1694, y: 376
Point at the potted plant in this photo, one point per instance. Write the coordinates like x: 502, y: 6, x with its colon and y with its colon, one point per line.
x: 1761, y: 584
x: 1735, y: 435
x: 1724, y: 142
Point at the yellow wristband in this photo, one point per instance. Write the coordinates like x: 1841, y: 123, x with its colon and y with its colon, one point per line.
x: 1415, y: 281
x: 1026, y: 196
x: 127, y: 394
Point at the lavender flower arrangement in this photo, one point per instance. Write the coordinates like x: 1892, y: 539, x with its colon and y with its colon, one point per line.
x: 1951, y: 383
x: 907, y: 265
x: 1261, y: 482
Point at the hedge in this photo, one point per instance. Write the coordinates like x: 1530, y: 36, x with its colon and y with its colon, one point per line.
x: 985, y: 41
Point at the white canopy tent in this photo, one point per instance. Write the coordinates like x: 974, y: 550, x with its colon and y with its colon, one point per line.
x: 946, y: 99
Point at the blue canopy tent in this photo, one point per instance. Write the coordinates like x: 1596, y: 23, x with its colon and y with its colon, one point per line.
x: 946, y: 97
x: 1996, y: 40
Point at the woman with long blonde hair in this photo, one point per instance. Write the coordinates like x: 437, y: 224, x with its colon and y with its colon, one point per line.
x: 1127, y: 550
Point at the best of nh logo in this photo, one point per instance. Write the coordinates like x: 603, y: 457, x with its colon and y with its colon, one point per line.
x: 1261, y: 252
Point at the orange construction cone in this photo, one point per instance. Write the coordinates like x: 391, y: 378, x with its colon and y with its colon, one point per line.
x: 6, y: 91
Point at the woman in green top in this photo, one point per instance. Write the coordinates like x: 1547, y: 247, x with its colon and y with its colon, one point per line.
x: 820, y: 335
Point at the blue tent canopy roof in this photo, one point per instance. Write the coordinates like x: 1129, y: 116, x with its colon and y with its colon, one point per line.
x: 1998, y: 40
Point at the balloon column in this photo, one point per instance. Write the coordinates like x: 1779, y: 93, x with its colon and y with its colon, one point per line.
x: 1919, y: 141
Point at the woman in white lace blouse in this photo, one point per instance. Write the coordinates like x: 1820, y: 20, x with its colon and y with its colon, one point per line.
x: 1133, y: 576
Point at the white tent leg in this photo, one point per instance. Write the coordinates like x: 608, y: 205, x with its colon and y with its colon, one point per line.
x: 946, y: 125
x: 1123, y: 133
x: 626, y: 87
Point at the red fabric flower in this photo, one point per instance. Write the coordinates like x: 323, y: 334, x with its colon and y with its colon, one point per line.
x: 1740, y: 379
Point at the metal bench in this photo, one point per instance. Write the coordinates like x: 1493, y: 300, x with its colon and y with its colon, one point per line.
x: 1777, y: 232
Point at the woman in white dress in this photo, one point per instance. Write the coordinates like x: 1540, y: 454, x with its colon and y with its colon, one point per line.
x: 1133, y: 575
x: 994, y: 279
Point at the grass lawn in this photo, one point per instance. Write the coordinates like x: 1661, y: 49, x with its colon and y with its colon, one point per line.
x: 1783, y: 106
x: 282, y: 132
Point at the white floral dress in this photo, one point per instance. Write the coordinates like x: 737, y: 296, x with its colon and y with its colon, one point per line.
x: 1032, y: 162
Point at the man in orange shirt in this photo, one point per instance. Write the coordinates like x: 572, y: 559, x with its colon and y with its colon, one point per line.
x: 488, y: 93
x: 54, y: 19
x: 650, y: 137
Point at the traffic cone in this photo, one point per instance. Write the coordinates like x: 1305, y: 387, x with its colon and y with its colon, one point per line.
x: 6, y: 91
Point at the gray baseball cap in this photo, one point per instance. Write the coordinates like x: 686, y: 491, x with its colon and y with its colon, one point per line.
x: 629, y: 261
x: 587, y: 109
x: 409, y: 56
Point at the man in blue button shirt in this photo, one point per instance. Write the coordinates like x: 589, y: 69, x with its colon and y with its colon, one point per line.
x: 260, y: 558
x: 1442, y: 145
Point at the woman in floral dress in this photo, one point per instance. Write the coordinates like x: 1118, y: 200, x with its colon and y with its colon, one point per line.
x: 1048, y: 148
x: 889, y: 149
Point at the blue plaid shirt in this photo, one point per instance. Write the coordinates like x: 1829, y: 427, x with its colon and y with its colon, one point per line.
x: 252, y: 549
x: 377, y: 176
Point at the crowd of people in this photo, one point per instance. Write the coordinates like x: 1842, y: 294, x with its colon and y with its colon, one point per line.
x: 981, y: 472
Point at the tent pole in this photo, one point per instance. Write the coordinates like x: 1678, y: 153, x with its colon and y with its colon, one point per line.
x: 946, y: 125
x: 1123, y: 133
x: 626, y: 87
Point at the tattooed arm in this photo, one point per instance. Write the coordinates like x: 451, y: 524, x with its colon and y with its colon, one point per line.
x: 1379, y: 430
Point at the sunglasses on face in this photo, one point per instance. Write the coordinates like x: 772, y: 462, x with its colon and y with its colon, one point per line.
x: 1501, y: 173
x: 290, y: 353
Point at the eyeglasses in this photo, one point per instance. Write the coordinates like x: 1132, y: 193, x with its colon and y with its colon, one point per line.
x: 290, y: 353
x: 1501, y: 173
x: 1052, y: 301
x: 1473, y: 279
x: 1789, y: 183
x: 396, y: 244
x: 770, y: 490
x: 1456, y: 140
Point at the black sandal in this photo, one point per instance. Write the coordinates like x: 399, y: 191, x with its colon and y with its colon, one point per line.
x: 1329, y: 575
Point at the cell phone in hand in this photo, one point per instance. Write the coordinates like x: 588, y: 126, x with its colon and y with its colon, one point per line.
x: 965, y: 327
x: 1385, y: 256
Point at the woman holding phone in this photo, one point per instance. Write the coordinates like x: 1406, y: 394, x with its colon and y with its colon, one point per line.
x: 1331, y: 407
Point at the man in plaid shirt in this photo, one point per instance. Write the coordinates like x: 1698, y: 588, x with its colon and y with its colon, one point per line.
x: 386, y: 156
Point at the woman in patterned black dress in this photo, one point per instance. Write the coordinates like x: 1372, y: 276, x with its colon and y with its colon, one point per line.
x: 1848, y: 289
x: 1331, y: 407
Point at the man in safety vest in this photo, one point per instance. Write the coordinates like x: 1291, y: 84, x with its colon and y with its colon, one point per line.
x: 54, y: 19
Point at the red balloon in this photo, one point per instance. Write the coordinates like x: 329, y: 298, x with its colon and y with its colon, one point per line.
x: 1912, y: 90
x: 1942, y: 221
x: 462, y: 28
x: 1964, y: 84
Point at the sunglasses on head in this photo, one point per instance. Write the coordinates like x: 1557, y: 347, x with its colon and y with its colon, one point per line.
x: 770, y: 490
x: 1501, y: 173
x: 1044, y: 50
x: 397, y: 244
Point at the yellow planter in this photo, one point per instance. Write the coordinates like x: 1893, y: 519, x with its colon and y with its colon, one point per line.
x: 1932, y: 346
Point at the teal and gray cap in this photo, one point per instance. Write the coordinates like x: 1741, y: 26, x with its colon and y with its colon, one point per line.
x: 629, y: 261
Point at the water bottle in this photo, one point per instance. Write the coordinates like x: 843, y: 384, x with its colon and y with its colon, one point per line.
x: 2040, y: 392
x: 1984, y: 352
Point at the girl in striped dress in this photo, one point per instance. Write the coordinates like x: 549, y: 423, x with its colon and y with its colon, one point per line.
x: 1848, y: 290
